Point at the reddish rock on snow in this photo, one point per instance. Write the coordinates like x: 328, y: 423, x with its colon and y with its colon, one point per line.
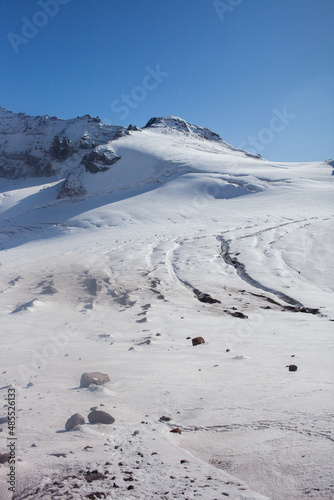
x: 198, y: 340
x: 73, y: 421
x: 100, y: 417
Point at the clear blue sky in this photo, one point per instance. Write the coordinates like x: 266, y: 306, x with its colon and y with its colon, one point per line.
x: 258, y: 72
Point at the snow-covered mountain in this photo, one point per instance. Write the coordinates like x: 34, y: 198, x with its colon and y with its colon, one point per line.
x: 118, y: 247
x: 39, y: 146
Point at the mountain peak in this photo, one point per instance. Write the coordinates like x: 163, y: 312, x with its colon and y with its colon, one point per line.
x: 175, y: 123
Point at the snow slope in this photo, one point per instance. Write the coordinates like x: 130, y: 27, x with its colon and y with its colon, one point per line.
x: 108, y: 280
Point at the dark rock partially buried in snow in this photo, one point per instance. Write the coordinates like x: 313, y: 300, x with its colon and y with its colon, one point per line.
x: 100, y: 417
x: 165, y: 419
x: 24, y: 307
x: 96, y: 378
x: 176, y: 430
x: 198, y: 340
x: 74, y: 421
x: 239, y: 314
x: 72, y: 186
x: 331, y: 163
x: 99, y: 160
x: 205, y: 297
x: 292, y: 368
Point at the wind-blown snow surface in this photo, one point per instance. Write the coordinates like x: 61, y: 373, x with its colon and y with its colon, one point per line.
x: 106, y: 283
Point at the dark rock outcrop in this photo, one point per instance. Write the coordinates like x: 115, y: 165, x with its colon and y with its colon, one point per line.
x: 133, y: 128
x: 205, y: 297
x: 99, y: 160
x: 292, y: 368
x: 25, y: 164
x: 74, y: 421
x: 180, y: 125
x: 96, y: 378
x: 41, y: 146
x: 61, y: 148
x: 239, y: 314
x: 72, y: 186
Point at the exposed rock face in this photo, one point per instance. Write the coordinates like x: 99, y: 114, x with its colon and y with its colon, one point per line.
x: 176, y: 123
x: 99, y: 160
x: 40, y: 146
x: 61, y: 148
x: 87, y: 142
x: 134, y: 128
x: 23, y: 164
x: 72, y: 186
x: 198, y: 340
x: 100, y: 417
x: 74, y: 421
x: 96, y: 378
x: 293, y: 368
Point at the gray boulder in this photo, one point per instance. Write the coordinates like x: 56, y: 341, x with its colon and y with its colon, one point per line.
x: 96, y: 378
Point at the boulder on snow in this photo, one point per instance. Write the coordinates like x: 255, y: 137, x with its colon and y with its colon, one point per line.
x: 100, y: 417
x: 96, y: 378
x: 73, y: 421
x: 165, y: 419
x: 4, y: 457
x: 292, y: 368
x: 198, y: 340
